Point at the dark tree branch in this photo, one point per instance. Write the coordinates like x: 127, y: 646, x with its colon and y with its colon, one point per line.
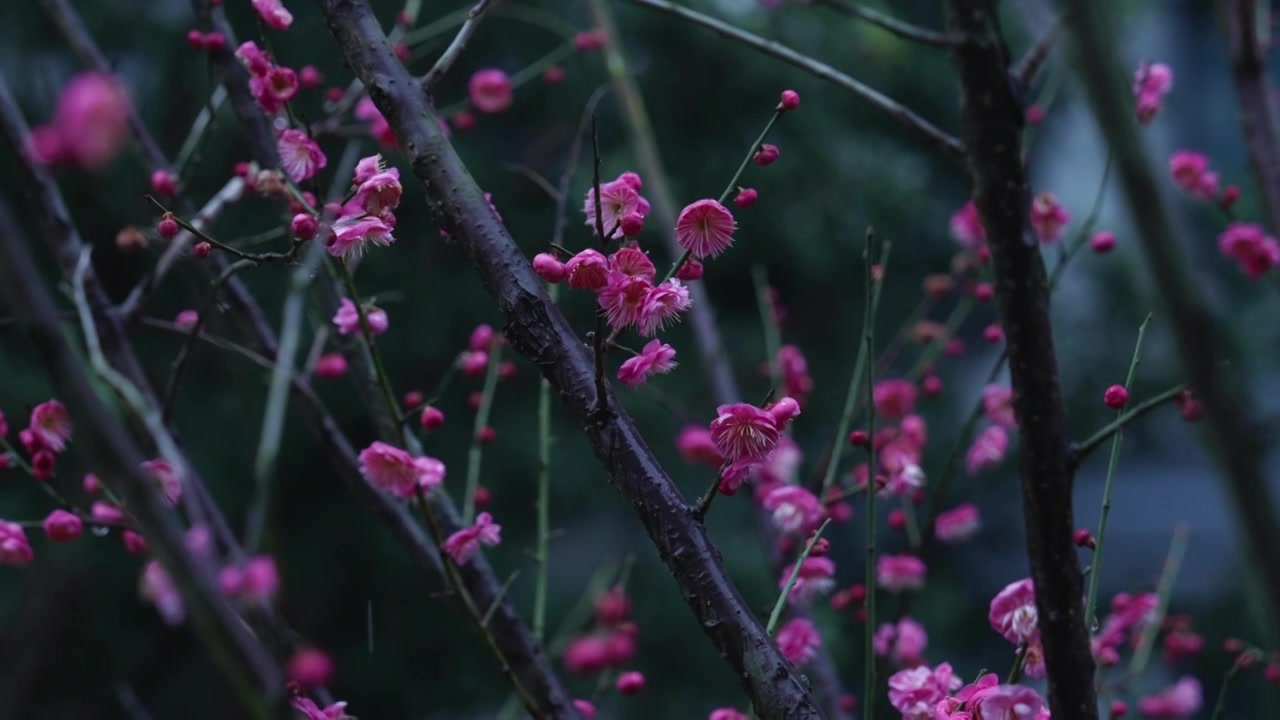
x: 993, y: 123
x: 1235, y: 438
x: 1030, y: 64
x: 454, y: 51
x: 706, y: 333
x: 1256, y: 94
x: 904, y: 30
x: 921, y: 128
x: 257, y: 126
x: 118, y: 461
x: 538, y: 331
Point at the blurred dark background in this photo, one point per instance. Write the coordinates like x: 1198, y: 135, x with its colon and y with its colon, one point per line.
x: 75, y: 639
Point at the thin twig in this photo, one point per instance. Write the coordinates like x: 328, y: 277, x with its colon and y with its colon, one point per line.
x: 904, y: 30
x: 476, y: 454
x: 781, y: 602
x: 923, y: 129
x: 454, y: 51
x: 177, y: 248
x: 1164, y: 591
x: 1026, y: 68
x: 1095, y: 571
x: 184, y: 353
x: 1082, y: 449
x: 869, y: 351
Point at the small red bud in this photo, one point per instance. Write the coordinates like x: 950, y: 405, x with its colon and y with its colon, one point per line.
x: 983, y: 292
x: 954, y: 348
x: 488, y: 435
x: 746, y: 197
x: 215, y: 42
x: 168, y: 227
x: 1115, y: 397
x: 43, y: 464
x: 820, y: 548
x: 134, y: 543
x: 790, y: 101
x: 554, y: 75
x: 1035, y: 115
x: 432, y: 418
x: 897, y: 519
x: 507, y: 370
x: 1083, y: 538
x: 412, y: 399
x: 310, y: 77
x: 464, y: 120
x: 632, y: 224
x: 1118, y: 709
x: 931, y: 385
x: 1229, y: 197
x: 766, y: 155
x: 195, y: 39
x: 992, y: 334
x: 858, y: 438
x: 304, y: 226
x: 201, y: 250
x: 164, y: 183
x: 691, y: 270
x: 333, y: 94
x: 482, y: 497
x: 401, y: 51
x: 1102, y: 242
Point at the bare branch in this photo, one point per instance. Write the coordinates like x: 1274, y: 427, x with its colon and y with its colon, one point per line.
x: 904, y: 30
x: 451, y: 53
x: 1256, y: 95
x: 993, y: 120
x: 1081, y: 450
x: 537, y: 329
x: 706, y: 333
x: 1236, y: 440
x: 923, y: 129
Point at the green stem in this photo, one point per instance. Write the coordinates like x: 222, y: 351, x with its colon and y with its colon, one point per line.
x: 384, y: 381
x: 1220, y: 707
x: 1094, y: 576
x: 859, y: 368
x: 1164, y: 590
x: 476, y: 454
x: 872, y: 290
x: 769, y: 321
x: 791, y: 579
x: 733, y: 183
x: 544, y: 500
x: 1115, y: 426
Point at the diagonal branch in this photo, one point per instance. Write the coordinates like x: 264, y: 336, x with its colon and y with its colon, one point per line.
x: 921, y: 128
x: 538, y: 330
x: 706, y: 333
x: 904, y: 30
x: 242, y: 657
x: 451, y: 53
x: 1235, y: 439
x: 993, y: 122
x: 1026, y: 68
x: 1256, y: 94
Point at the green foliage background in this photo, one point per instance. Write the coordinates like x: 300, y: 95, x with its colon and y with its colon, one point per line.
x: 74, y: 635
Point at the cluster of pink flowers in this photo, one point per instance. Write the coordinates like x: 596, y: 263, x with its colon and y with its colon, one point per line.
x: 900, y: 572
x: 746, y: 437
x: 611, y: 643
x: 987, y: 699
x: 47, y: 433
x: 916, y: 692
x: 796, y: 381
x: 1151, y: 83
x: 399, y: 473
x: 272, y: 85
x: 347, y: 319
x: 89, y: 125
x: 15, y: 549
x: 368, y: 217
x: 1180, y: 701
